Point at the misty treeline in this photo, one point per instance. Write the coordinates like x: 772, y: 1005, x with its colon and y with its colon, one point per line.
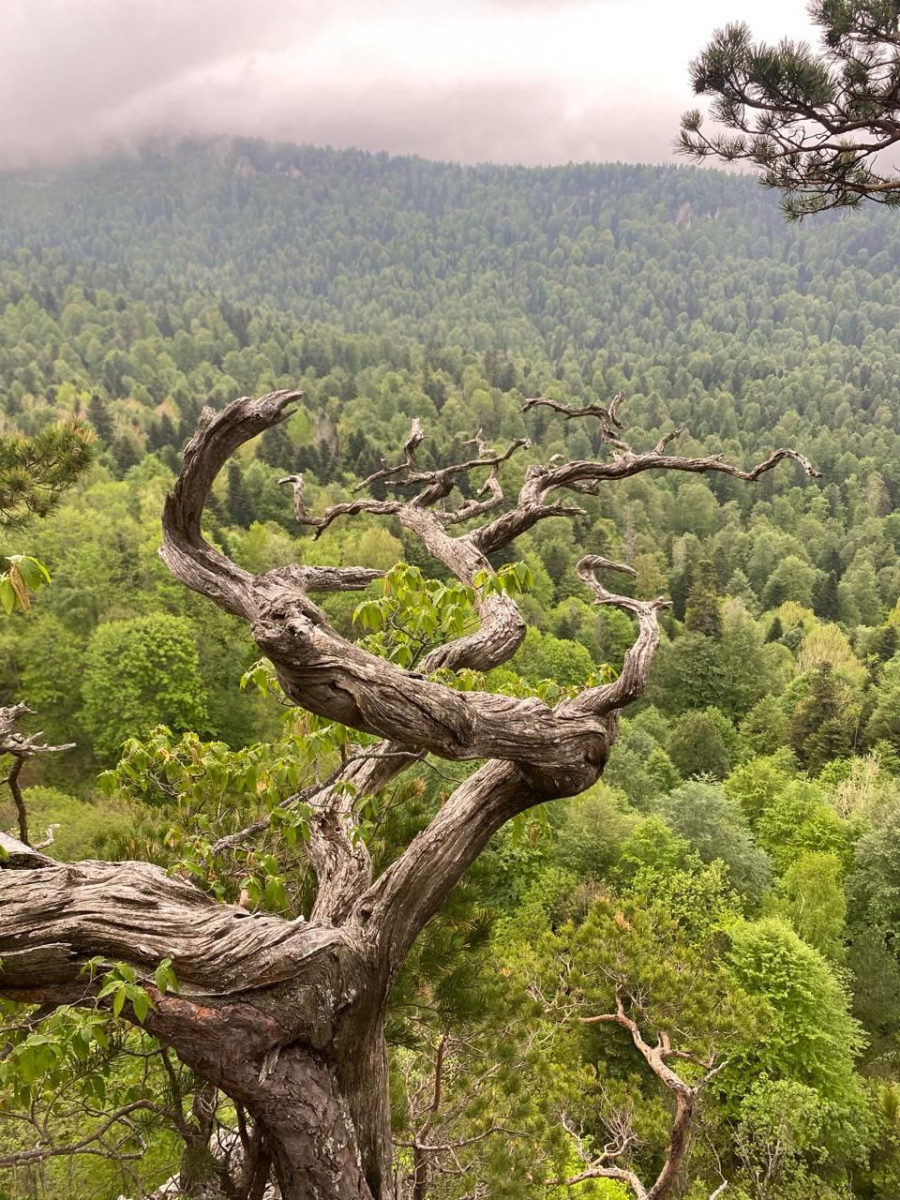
x: 731, y: 881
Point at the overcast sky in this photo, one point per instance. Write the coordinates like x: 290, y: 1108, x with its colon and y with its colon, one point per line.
x: 530, y: 81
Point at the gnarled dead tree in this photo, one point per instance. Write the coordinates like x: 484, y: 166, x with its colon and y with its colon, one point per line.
x: 287, y: 1018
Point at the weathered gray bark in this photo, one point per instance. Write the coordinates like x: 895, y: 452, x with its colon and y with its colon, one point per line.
x: 284, y: 1017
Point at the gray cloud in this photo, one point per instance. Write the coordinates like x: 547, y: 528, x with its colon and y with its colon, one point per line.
x: 532, y: 81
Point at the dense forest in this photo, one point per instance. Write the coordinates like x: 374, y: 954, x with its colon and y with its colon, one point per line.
x: 736, y: 870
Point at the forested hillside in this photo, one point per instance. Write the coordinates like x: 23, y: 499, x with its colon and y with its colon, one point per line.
x: 736, y: 869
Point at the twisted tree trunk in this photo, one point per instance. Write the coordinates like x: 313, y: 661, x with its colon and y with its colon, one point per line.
x: 287, y: 1017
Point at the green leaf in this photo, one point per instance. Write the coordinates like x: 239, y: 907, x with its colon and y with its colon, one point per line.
x: 164, y: 976
x: 34, y: 574
x: 141, y: 1003
x: 7, y: 595
x: 275, y: 896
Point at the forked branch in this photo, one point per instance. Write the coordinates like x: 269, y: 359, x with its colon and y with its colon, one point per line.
x: 438, y: 483
x: 587, y: 476
x: 657, y: 1057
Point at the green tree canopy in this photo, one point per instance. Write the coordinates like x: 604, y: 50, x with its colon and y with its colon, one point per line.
x: 141, y: 673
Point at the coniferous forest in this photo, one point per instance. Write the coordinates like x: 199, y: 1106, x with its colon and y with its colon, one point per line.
x: 685, y: 977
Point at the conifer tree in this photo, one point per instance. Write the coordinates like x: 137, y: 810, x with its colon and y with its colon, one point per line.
x: 815, y: 124
x: 99, y: 417
x: 277, y: 449
x: 240, y: 506
x: 820, y: 726
x: 826, y: 598
x: 35, y: 471
x: 702, y: 613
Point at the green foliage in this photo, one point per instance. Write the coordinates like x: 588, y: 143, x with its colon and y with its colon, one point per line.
x: 23, y: 576
x: 414, y: 615
x: 80, y: 828
x: 781, y: 1128
x: 810, y: 1036
x: 823, y: 724
x: 755, y: 336
x: 800, y: 818
x: 195, y: 793
x: 141, y: 673
x: 69, y: 1042
x: 543, y: 657
x: 811, y: 898
x: 639, y: 765
x: 757, y: 783
x: 592, y: 832
x: 120, y: 986
x: 874, y: 885
x: 713, y: 823
x: 36, y: 470
x: 700, y: 744
x: 702, y: 613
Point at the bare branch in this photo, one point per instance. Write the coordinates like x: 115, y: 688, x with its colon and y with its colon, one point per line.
x: 476, y: 508
x: 410, y: 446
x: 606, y: 416
x: 636, y: 667
x: 296, y: 482
x: 351, y: 508
x: 593, y: 473
x: 22, y: 747
x: 438, y: 483
x: 185, y: 551
x: 666, y: 440
x: 92, y: 1143
x: 586, y: 476
x: 16, y: 855
x: 56, y: 916
x: 685, y: 1096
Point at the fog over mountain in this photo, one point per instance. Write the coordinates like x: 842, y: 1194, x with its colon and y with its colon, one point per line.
x: 539, y: 81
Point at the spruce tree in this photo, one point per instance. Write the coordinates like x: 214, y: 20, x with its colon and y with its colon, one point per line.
x: 820, y: 729
x: 240, y: 506
x: 99, y: 417
x: 776, y: 631
x: 126, y: 451
x: 826, y: 599
x: 702, y: 614
x: 277, y: 449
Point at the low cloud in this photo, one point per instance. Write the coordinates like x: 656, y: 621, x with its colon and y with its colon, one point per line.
x: 539, y: 81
